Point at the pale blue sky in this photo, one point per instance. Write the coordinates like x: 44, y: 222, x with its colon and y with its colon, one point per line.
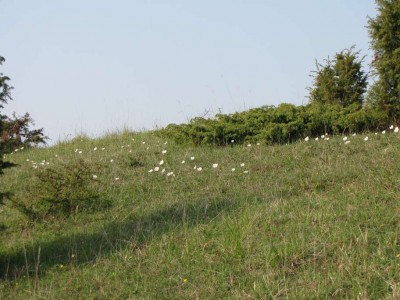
x: 96, y: 66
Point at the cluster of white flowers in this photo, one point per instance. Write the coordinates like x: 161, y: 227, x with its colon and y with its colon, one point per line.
x: 345, y: 138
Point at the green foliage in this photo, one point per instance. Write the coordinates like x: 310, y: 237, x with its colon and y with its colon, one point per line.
x: 336, y: 106
x: 14, y: 132
x: 384, y: 31
x: 62, y: 190
x: 277, y: 125
x: 17, y: 133
x: 5, y: 89
x: 5, y: 95
x: 340, y: 81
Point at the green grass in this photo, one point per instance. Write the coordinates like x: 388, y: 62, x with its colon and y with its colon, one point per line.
x: 310, y: 220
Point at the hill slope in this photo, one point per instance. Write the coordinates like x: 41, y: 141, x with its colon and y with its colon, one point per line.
x: 316, y: 219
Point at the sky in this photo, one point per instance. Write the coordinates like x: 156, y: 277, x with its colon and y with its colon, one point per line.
x: 94, y: 67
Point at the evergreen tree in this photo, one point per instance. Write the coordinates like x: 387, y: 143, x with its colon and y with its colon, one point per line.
x: 384, y: 31
x: 340, y: 81
x: 4, y: 97
x: 15, y: 131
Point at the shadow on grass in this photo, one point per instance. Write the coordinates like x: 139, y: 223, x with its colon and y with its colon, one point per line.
x: 83, y: 248
x: 7, y: 164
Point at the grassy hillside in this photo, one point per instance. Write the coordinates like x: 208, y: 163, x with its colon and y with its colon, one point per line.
x: 317, y: 219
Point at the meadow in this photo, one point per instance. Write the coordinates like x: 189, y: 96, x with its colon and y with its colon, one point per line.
x: 315, y: 219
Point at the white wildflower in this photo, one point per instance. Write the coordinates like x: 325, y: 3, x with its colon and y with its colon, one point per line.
x: 161, y: 162
x: 182, y: 162
x: 163, y: 171
x: 248, y: 145
x: 245, y: 172
x: 345, y: 138
x: 143, y: 143
x: 383, y: 132
x: 103, y: 149
x: 156, y: 169
x: 80, y: 152
x: 94, y: 177
x: 111, y: 160
x: 391, y: 127
x: 242, y: 164
x: 396, y: 129
x: 316, y: 138
x: 116, y: 178
x: 366, y: 138
x: 95, y: 148
x: 199, y: 169
x: 164, y: 151
x: 233, y: 170
x: 347, y: 142
x: 354, y: 134
x: 192, y: 158
x: 151, y: 171
x: 215, y: 166
x: 170, y: 174
x: 306, y: 139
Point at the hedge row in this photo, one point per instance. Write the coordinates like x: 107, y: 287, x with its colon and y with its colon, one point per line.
x: 277, y: 125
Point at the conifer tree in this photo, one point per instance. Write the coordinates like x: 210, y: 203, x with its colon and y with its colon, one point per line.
x: 340, y: 81
x: 384, y: 31
x: 5, y: 96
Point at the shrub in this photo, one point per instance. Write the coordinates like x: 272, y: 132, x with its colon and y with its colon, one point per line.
x: 62, y: 190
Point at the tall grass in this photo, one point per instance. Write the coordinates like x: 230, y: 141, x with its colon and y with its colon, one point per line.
x: 316, y: 219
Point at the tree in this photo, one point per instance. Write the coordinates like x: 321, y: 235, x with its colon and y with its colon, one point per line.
x: 15, y: 131
x: 340, y: 81
x: 384, y: 31
x: 5, y: 96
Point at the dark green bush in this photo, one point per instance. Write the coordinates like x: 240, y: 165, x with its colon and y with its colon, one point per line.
x: 62, y: 190
x: 277, y: 125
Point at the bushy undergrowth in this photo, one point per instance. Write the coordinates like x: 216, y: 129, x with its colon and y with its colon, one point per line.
x: 62, y: 190
x: 277, y: 125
